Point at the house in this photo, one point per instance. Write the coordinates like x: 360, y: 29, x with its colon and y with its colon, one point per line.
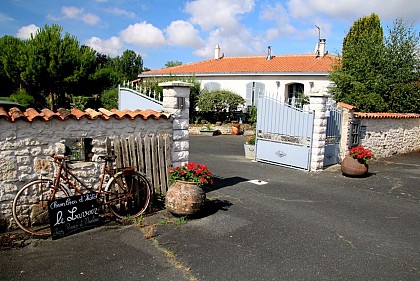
x: 284, y: 77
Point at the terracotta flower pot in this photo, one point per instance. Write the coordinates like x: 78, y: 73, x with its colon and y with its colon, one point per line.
x: 352, y: 168
x: 235, y: 130
x: 185, y: 198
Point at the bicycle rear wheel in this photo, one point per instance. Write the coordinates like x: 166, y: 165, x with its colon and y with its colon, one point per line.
x: 30, y: 206
x: 128, y: 193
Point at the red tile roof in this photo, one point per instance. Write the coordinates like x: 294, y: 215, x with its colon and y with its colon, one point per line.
x: 31, y: 114
x: 345, y: 105
x: 378, y: 115
x: 251, y: 65
x: 385, y: 115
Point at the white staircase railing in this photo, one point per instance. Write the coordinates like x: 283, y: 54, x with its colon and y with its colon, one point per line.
x: 134, y: 85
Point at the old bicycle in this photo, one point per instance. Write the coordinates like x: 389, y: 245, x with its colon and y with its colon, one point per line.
x: 127, y: 193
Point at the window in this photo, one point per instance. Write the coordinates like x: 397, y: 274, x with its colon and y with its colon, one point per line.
x: 295, y: 96
x: 253, y: 91
x: 212, y: 86
x: 79, y: 149
x: 354, y: 133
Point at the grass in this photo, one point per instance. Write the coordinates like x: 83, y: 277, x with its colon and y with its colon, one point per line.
x: 172, y: 259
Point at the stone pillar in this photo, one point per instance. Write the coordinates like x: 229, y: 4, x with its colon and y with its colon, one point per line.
x: 176, y: 102
x: 318, y: 104
x: 346, y: 120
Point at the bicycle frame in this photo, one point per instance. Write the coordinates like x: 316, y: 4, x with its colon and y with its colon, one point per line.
x: 65, y: 174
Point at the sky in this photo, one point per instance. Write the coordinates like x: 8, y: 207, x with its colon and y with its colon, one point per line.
x: 188, y: 30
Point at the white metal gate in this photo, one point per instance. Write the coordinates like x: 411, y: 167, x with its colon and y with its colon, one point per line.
x: 333, y: 137
x: 284, y: 134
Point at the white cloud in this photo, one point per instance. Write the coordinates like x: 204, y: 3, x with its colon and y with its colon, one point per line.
x: 121, y: 12
x: 111, y: 46
x: 183, y: 33
x: 71, y: 12
x: 351, y: 10
x: 222, y: 20
x: 281, y: 16
x: 74, y: 13
x: 25, y: 31
x: 90, y: 19
x: 241, y: 44
x: 5, y: 18
x: 143, y: 34
x: 218, y: 13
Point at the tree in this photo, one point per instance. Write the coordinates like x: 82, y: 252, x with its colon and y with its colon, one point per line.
x: 129, y: 64
x: 402, y: 68
x: 52, y: 70
x: 52, y: 65
x: 172, y: 63
x: 372, y: 66
x: 358, y: 75
x: 9, y: 70
x: 219, y: 101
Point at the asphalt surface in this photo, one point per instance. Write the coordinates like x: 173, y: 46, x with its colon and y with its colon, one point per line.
x: 296, y: 226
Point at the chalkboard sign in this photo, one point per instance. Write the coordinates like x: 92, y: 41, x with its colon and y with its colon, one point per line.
x: 73, y: 214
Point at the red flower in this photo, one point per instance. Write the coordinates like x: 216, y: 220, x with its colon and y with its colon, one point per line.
x: 361, y: 154
x: 191, y: 172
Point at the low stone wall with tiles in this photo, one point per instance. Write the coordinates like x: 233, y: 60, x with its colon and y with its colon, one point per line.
x: 25, y: 146
x: 388, y: 136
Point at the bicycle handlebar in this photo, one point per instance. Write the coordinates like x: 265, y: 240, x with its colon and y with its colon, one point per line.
x: 58, y: 157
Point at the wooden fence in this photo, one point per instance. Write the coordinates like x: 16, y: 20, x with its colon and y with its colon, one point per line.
x: 150, y: 155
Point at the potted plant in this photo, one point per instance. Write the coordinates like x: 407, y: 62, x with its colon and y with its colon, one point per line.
x: 249, y: 147
x: 355, y: 164
x: 208, y: 130
x: 186, y: 196
x: 236, y: 128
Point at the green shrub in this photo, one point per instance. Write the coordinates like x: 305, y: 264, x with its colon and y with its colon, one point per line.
x: 109, y: 98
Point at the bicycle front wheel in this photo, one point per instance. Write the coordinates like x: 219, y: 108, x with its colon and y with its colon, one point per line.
x: 30, y: 206
x: 128, y: 194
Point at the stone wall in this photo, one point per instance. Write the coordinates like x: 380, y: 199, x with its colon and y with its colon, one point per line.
x: 25, y: 147
x: 25, y: 143
x: 386, y: 137
x: 386, y: 134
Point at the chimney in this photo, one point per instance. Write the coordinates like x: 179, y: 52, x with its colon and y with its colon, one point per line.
x: 269, y: 56
x: 320, y: 52
x: 217, y: 52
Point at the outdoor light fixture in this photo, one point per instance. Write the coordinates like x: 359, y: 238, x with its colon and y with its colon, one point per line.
x: 311, y: 84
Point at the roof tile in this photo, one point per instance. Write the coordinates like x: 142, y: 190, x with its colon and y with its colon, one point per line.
x: 252, y: 64
x: 3, y: 113
x: 48, y: 114
x: 383, y: 115
x: 31, y: 114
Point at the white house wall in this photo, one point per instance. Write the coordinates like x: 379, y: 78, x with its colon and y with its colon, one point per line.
x: 238, y: 84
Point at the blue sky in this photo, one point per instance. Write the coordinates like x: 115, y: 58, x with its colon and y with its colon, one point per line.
x: 187, y: 31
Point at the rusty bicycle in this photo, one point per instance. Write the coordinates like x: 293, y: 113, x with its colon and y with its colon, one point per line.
x: 126, y: 193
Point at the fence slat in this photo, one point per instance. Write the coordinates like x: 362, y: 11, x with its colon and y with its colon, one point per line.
x: 154, y: 164
x: 147, y: 158
x: 150, y: 154
x: 162, y: 166
x: 125, y: 152
x: 118, y: 153
x: 140, y: 154
x: 132, y: 151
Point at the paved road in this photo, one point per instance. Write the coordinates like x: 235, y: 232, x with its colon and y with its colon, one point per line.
x: 298, y: 226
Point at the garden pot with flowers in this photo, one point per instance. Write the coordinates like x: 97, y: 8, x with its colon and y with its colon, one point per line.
x: 355, y: 164
x: 249, y: 147
x: 186, y: 196
x: 236, y: 128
